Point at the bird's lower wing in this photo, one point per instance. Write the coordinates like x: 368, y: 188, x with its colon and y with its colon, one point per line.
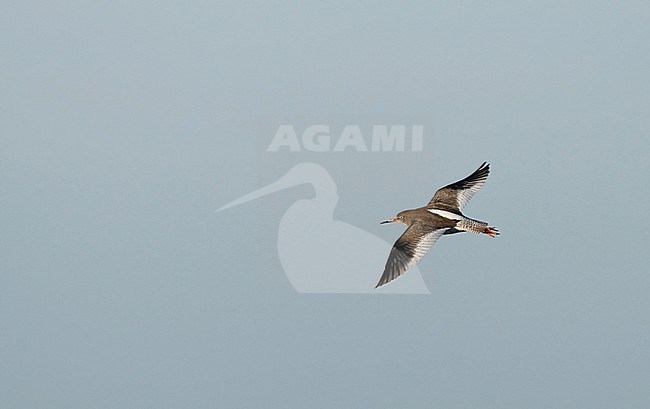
x: 408, y: 250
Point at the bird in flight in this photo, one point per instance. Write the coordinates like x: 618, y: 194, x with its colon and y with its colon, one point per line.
x: 442, y: 215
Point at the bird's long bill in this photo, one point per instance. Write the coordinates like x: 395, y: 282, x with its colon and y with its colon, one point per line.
x: 282, y: 183
x: 387, y: 221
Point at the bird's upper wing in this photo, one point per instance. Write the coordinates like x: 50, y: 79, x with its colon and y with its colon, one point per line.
x: 456, y: 195
x: 408, y: 250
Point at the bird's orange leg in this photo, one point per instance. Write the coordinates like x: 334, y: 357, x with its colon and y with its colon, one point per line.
x: 491, y: 231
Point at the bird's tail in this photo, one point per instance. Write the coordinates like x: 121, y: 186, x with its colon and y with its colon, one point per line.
x: 475, y: 226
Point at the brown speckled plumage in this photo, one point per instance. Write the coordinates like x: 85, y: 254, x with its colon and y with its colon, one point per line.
x: 442, y: 215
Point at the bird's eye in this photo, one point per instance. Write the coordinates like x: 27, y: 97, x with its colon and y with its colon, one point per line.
x: 400, y: 217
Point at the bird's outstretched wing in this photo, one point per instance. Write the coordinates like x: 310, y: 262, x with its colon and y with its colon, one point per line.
x: 408, y: 250
x: 456, y: 195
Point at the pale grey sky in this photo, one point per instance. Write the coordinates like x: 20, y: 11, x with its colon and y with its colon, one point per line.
x: 126, y: 124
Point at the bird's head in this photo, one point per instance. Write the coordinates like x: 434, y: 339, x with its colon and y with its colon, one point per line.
x: 402, y: 217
